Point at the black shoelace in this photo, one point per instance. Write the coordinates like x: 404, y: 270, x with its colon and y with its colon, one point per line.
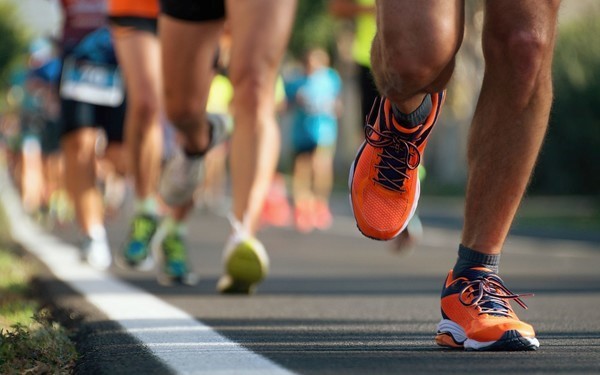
x: 489, y: 294
x: 397, y: 152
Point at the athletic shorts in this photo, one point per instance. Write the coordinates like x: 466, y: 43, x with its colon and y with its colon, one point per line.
x: 136, y: 23
x: 50, y: 137
x: 133, y: 8
x: 194, y: 10
x: 77, y: 115
x: 312, y: 133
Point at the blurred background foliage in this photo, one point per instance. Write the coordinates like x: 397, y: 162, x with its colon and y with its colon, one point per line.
x: 314, y: 27
x: 570, y: 160
x: 13, y: 41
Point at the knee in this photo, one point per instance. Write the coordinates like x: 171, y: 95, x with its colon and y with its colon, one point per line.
x: 254, y: 90
x: 407, y: 65
x: 183, y: 113
x: 79, y: 146
x: 144, y: 109
x: 248, y: 90
x: 519, y: 55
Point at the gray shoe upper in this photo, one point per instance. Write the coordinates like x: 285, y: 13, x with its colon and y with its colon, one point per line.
x: 182, y: 174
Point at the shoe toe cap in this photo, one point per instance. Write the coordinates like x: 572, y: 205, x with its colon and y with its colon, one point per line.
x: 379, y: 213
x: 493, y: 329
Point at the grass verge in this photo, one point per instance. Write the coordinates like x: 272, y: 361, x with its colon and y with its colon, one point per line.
x: 30, y: 341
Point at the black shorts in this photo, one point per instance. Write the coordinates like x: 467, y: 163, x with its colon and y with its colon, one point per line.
x: 194, y: 10
x: 76, y: 115
x: 50, y: 137
x: 138, y: 23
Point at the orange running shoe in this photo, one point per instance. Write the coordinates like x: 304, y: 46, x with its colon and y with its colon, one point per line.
x: 476, y: 314
x: 384, y: 182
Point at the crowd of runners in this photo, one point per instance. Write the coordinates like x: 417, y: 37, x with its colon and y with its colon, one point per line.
x: 169, y: 98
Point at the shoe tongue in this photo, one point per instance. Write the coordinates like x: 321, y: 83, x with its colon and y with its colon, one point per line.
x: 394, y: 159
x: 474, y: 273
x: 491, y: 303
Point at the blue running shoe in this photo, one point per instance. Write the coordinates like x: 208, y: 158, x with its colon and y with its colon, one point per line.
x: 136, y: 252
x: 170, y: 248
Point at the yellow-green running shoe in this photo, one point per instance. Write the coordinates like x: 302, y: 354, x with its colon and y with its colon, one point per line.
x: 246, y: 264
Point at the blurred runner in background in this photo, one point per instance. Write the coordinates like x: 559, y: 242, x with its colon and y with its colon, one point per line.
x: 151, y: 238
x: 92, y: 97
x: 314, y: 99
x: 190, y: 31
x: 362, y: 12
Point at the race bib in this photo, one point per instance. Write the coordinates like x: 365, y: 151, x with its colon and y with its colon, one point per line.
x: 90, y: 82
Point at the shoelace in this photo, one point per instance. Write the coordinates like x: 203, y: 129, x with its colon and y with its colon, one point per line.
x: 490, y: 296
x: 395, y: 156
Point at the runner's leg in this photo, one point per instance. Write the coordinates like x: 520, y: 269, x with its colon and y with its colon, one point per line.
x: 511, y: 116
x: 139, y: 59
x: 80, y: 177
x: 414, y: 48
x: 253, y: 73
x: 188, y: 50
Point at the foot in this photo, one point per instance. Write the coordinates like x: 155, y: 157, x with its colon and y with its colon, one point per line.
x: 384, y: 182
x: 182, y: 174
x: 136, y: 251
x: 246, y: 265
x: 96, y: 252
x: 409, y: 238
x: 171, y: 249
x: 303, y: 219
x: 322, y: 218
x: 477, y: 314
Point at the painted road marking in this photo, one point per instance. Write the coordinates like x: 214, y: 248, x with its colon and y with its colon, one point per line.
x: 139, y: 313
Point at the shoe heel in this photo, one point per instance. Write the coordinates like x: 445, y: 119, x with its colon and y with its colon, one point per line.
x: 245, y: 266
x: 450, y: 334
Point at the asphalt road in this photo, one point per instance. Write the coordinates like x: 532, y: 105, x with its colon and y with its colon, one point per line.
x: 338, y: 303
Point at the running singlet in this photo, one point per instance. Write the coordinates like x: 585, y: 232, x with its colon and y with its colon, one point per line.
x: 81, y: 17
x: 365, y: 31
x: 133, y: 8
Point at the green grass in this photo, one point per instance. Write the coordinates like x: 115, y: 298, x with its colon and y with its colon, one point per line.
x: 575, y: 223
x: 30, y: 342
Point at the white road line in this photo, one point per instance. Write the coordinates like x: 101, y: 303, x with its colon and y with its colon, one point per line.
x: 139, y: 313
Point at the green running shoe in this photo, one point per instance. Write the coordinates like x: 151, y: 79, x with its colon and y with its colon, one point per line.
x: 175, y: 268
x: 136, y: 252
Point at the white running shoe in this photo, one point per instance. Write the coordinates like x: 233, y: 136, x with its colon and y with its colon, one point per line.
x: 182, y: 174
x: 246, y: 263
x: 96, y: 253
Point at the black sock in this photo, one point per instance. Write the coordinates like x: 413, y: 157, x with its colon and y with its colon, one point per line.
x: 199, y: 154
x: 416, y: 117
x: 194, y: 154
x: 469, y: 258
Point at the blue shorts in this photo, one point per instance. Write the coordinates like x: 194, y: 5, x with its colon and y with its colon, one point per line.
x: 309, y: 134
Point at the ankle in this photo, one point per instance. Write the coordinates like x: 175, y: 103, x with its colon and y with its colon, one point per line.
x: 469, y: 258
x: 416, y: 117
